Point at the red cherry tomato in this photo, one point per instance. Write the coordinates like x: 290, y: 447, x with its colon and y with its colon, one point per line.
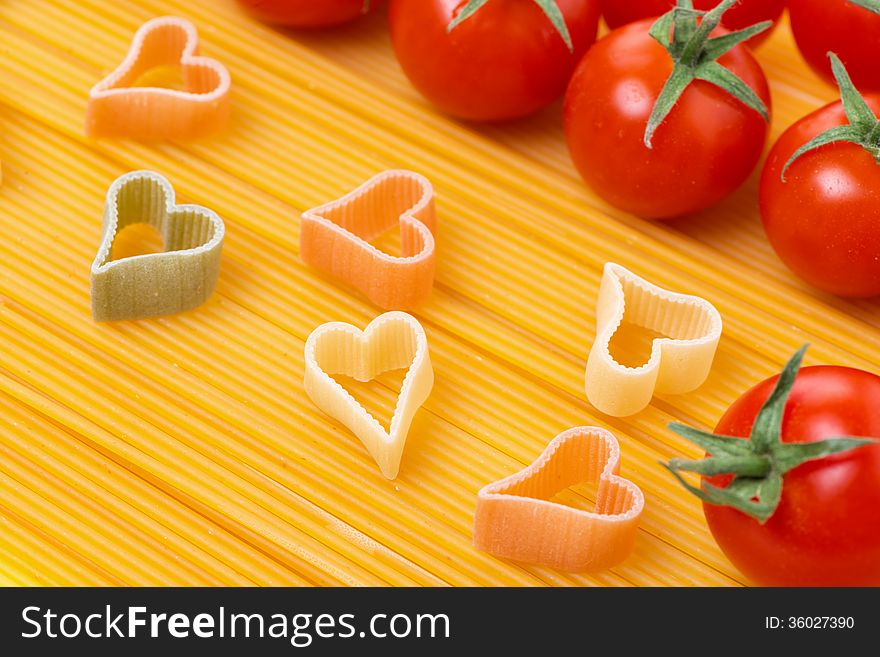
x: 823, y: 220
x: 308, y: 13
x: 703, y: 151
x: 826, y: 529
x: 505, y: 61
x: 745, y: 14
x: 841, y: 27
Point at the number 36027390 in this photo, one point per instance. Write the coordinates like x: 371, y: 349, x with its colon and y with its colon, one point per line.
x: 810, y: 622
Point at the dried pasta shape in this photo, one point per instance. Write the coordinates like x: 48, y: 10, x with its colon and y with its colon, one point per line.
x: 515, y: 518
x: 679, y: 362
x: 335, y: 238
x: 154, y: 284
x: 391, y: 341
x: 118, y: 109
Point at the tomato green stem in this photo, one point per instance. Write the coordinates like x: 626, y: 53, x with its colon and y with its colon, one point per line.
x: 747, y: 465
x: 874, y: 137
x: 698, y: 38
x: 695, y: 55
x: 469, y: 10
x: 760, y: 462
x: 870, y: 5
x: 862, y: 130
x: 549, y: 7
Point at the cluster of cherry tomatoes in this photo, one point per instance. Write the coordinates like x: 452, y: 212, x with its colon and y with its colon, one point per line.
x: 664, y: 119
x: 493, y: 60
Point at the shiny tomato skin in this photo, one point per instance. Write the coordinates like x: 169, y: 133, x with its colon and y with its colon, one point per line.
x: 826, y: 530
x: 704, y: 150
x: 838, y: 26
x: 306, y: 13
x: 504, y: 62
x: 824, y: 220
x: 745, y: 14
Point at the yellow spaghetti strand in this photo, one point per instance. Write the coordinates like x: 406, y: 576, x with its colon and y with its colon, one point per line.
x: 50, y: 561
x: 59, y: 457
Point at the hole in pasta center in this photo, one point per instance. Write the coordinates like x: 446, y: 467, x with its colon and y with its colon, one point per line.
x: 580, y: 496
x: 631, y: 345
x: 164, y: 77
x: 389, y: 242
x: 379, y: 396
x: 136, y: 239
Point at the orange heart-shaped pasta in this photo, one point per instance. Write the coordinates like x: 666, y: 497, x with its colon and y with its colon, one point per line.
x: 118, y: 109
x: 515, y: 518
x: 335, y: 238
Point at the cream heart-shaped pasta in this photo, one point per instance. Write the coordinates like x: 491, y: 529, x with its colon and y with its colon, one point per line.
x: 118, y: 109
x: 680, y: 360
x: 182, y: 277
x: 390, y: 342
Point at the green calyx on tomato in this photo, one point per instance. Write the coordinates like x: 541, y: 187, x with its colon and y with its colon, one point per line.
x: 870, y: 5
x: 695, y: 54
x: 549, y: 7
x: 863, y: 129
x: 758, y: 463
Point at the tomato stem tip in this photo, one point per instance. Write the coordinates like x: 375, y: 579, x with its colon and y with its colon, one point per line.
x: 870, y: 5
x: 695, y: 54
x: 862, y: 130
x: 759, y: 463
x: 549, y: 7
